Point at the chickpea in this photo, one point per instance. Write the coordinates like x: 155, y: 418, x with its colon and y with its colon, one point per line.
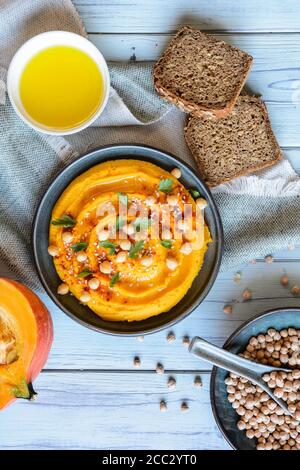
x: 284, y: 436
x: 292, y: 396
x: 260, y: 354
x: 266, y: 419
x: 284, y: 358
x: 280, y: 420
x: 261, y: 338
x: 241, y: 425
x: 252, y: 421
x: 260, y: 447
x: 262, y: 427
x: 250, y: 433
x: 288, y: 386
x: 285, y: 428
x: 278, y: 392
x: 279, y: 411
x: 253, y: 341
x: 231, y: 398
x: 271, y: 405
x: 279, y: 381
x: 240, y: 385
x: 265, y: 410
x: 241, y: 410
x: 264, y: 397
x: 274, y: 418
x: 270, y: 348
x: 292, y: 332
x: 297, y: 417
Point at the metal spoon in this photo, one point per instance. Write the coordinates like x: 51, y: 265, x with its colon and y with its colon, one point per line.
x: 252, y: 371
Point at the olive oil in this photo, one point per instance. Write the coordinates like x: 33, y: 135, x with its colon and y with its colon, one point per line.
x: 61, y: 87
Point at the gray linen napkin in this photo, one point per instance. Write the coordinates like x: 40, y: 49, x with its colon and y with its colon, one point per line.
x: 260, y: 213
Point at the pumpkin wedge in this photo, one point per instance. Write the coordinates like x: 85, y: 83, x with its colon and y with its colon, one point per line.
x: 26, y: 335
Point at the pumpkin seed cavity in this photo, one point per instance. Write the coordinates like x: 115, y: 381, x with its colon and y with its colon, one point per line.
x: 8, y: 343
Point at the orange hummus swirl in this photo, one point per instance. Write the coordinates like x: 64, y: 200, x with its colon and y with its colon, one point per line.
x: 120, y: 243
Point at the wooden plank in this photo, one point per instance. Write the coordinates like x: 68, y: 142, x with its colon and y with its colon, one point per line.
x: 293, y: 155
x: 111, y: 411
x: 275, y: 73
x: 270, y: 51
x: 155, y: 16
x: 76, y: 347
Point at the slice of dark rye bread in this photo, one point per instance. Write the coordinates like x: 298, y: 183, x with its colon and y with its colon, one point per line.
x: 200, y: 74
x: 239, y: 144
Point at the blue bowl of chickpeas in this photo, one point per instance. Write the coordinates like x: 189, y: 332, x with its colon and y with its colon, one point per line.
x: 245, y: 414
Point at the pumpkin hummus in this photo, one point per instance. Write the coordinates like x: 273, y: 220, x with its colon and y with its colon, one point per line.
x: 120, y: 243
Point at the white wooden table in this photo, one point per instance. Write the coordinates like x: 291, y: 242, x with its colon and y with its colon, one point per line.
x: 90, y: 395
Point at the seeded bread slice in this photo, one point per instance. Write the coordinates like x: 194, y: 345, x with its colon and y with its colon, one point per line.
x: 241, y: 143
x: 200, y: 74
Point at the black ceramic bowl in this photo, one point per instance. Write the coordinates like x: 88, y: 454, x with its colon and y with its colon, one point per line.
x: 69, y: 304
x: 224, y: 414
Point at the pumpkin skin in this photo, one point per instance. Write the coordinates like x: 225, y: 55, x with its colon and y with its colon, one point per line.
x: 33, y: 330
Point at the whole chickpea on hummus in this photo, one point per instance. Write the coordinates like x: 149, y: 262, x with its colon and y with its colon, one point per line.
x: 121, y: 242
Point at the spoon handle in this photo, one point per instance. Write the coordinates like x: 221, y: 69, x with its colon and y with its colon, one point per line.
x: 226, y: 360
x: 235, y: 364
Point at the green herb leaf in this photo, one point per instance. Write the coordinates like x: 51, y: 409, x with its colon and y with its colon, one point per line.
x: 84, y: 273
x: 141, y: 223
x: 166, y: 243
x: 64, y: 221
x: 136, y: 248
x: 166, y: 186
x: 79, y: 246
x: 114, y: 279
x: 110, y: 245
x: 123, y: 198
x: 195, y: 193
x: 119, y: 223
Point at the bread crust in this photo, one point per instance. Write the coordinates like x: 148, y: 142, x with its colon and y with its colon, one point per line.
x: 187, y: 106
x: 277, y: 155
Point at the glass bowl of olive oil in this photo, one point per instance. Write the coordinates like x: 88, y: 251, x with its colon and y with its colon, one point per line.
x: 58, y: 82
